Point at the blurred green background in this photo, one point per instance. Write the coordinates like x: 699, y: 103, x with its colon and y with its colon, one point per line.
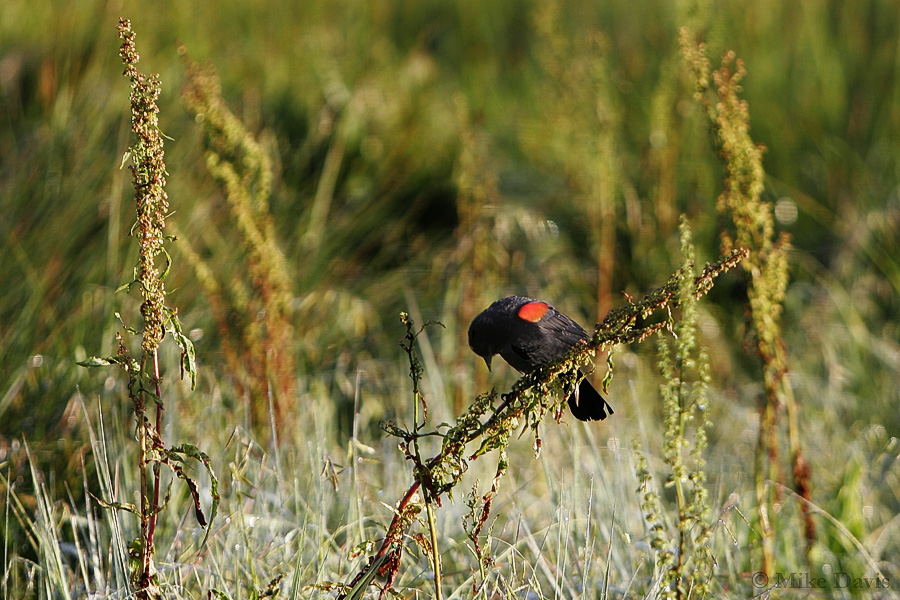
x: 432, y: 157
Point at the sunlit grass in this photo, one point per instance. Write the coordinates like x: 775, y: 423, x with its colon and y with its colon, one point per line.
x: 415, y: 168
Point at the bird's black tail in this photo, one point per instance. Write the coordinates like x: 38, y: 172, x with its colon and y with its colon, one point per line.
x: 587, y: 404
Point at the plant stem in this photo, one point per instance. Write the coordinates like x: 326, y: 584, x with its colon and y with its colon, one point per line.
x: 146, y: 512
x: 435, y: 553
x: 154, y: 506
x: 679, y: 488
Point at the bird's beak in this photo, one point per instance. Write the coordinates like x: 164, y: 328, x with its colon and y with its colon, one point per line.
x: 487, y: 361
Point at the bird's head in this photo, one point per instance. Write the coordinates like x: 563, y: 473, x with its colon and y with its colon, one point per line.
x: 481, y: 338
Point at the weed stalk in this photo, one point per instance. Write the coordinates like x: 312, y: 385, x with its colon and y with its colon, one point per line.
x: 684, y: 558
x: 148, y: 171
x: 752, y: 226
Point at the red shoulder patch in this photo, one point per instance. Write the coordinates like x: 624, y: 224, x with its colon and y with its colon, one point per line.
x: 533, y: 311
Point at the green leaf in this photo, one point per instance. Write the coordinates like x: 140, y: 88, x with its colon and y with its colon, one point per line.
x: 188, y: 354
x: 126, y: 506
x: 191, y: 451
x: 130, y: 330
x: 168, y: 256
x: 99, y: 361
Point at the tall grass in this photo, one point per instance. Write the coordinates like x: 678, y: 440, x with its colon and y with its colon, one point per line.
x: 420, y: 162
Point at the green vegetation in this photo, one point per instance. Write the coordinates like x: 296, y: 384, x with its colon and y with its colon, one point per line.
x: 346, y: 162
x: 685, y: 562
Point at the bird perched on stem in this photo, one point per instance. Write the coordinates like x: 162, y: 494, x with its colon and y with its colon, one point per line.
x: 528, y: 334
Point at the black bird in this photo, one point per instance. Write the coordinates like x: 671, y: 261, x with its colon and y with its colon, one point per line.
x: 529, y: 333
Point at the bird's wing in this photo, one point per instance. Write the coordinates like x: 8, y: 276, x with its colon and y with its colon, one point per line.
x: 565, y: 329
x: 544, y: 342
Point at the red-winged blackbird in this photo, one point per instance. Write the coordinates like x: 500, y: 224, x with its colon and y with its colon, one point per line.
x: 529, y: 333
